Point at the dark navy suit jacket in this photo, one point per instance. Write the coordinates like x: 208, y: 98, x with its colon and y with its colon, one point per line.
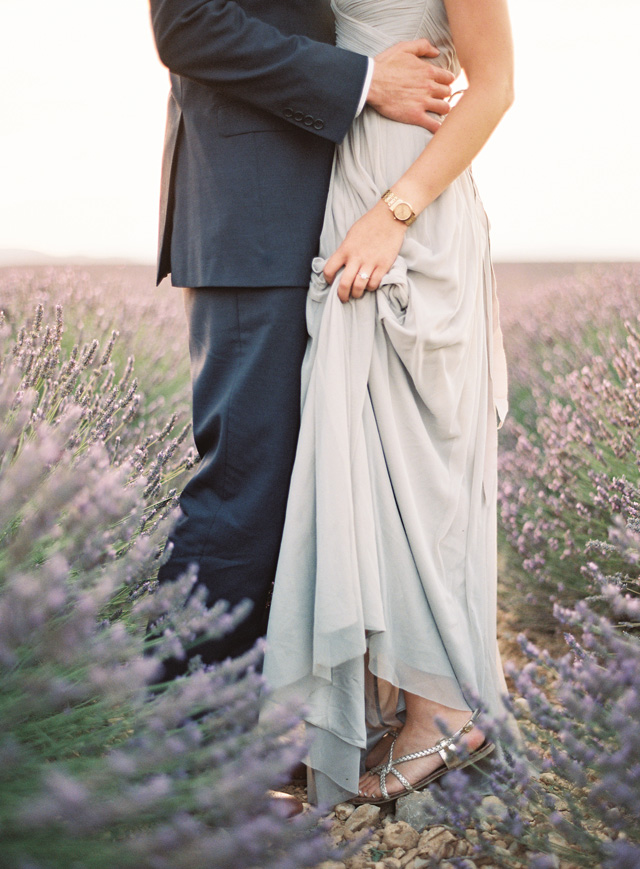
x: 259, y: 97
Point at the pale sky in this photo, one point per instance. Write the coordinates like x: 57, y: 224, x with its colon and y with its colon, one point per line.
x: 82, y: 112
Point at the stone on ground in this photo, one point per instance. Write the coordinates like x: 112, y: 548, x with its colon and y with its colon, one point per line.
x: 437, y: 842
x: 400, y: 835
x: 419, y: 810
x: 362, y: 817
x: 494, y: 809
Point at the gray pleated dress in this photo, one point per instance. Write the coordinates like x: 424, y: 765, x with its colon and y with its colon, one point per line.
x: 387, y: 574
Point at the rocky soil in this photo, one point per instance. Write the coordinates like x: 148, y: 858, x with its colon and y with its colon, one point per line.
x: 393, y: 843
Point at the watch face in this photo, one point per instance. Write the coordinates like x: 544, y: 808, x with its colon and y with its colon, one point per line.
x: 402, y: 211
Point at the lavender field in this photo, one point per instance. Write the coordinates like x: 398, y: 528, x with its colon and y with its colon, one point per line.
x: 100, y: 766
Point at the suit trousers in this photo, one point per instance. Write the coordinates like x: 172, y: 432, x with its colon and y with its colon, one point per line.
x: 246, y: 347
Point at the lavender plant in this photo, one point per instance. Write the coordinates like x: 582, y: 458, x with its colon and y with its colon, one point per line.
x: 558, y: 327
x: 101, y: 765
x: 99, y: 300
x: 566, y: 480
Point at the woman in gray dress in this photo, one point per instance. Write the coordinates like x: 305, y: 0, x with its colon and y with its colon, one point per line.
x: 384, y: 610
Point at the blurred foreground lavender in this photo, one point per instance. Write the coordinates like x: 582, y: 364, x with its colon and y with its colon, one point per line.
x: 97, y: 767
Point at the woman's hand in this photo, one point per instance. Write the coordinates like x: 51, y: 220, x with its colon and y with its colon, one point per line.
x: 367, y: 253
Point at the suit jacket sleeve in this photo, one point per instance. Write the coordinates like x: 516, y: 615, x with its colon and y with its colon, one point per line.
x: 216, y: 43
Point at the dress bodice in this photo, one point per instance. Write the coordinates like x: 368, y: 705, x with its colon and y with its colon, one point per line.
x: 371, y: 26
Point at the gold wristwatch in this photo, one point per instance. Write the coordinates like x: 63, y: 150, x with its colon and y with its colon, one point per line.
x: 400, y: 209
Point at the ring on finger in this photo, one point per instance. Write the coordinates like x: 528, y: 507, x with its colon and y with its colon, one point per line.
x: 364, y: 276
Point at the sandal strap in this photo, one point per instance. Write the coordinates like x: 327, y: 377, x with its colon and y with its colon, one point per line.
x: 445, y: 747
x: 392, y: 734
x: 450, y: 755
x: 382, y: 769
x: 382, y: 775
x: 403, y: 781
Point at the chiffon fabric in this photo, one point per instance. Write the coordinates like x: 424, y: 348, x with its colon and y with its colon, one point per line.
x: 386, y: 580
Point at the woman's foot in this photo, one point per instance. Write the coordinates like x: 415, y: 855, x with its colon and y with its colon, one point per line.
x: 416, y: 736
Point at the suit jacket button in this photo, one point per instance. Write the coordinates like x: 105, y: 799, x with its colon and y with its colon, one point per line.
x: 318, y: 125
x: 288, y: 113
x: 298, y: 116
x: 308, y: 121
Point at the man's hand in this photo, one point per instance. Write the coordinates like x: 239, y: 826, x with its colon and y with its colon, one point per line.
x: 404, y: 87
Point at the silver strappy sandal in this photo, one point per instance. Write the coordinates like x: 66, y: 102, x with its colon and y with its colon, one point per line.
x: 448, y: 750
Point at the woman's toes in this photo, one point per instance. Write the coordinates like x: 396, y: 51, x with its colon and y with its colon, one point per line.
x: 367, y: 786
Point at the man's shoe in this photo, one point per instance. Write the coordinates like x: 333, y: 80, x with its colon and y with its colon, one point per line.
x: 285, y: 804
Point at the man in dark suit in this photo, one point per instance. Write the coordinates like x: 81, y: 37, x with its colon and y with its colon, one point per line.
x: 260, y: 96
